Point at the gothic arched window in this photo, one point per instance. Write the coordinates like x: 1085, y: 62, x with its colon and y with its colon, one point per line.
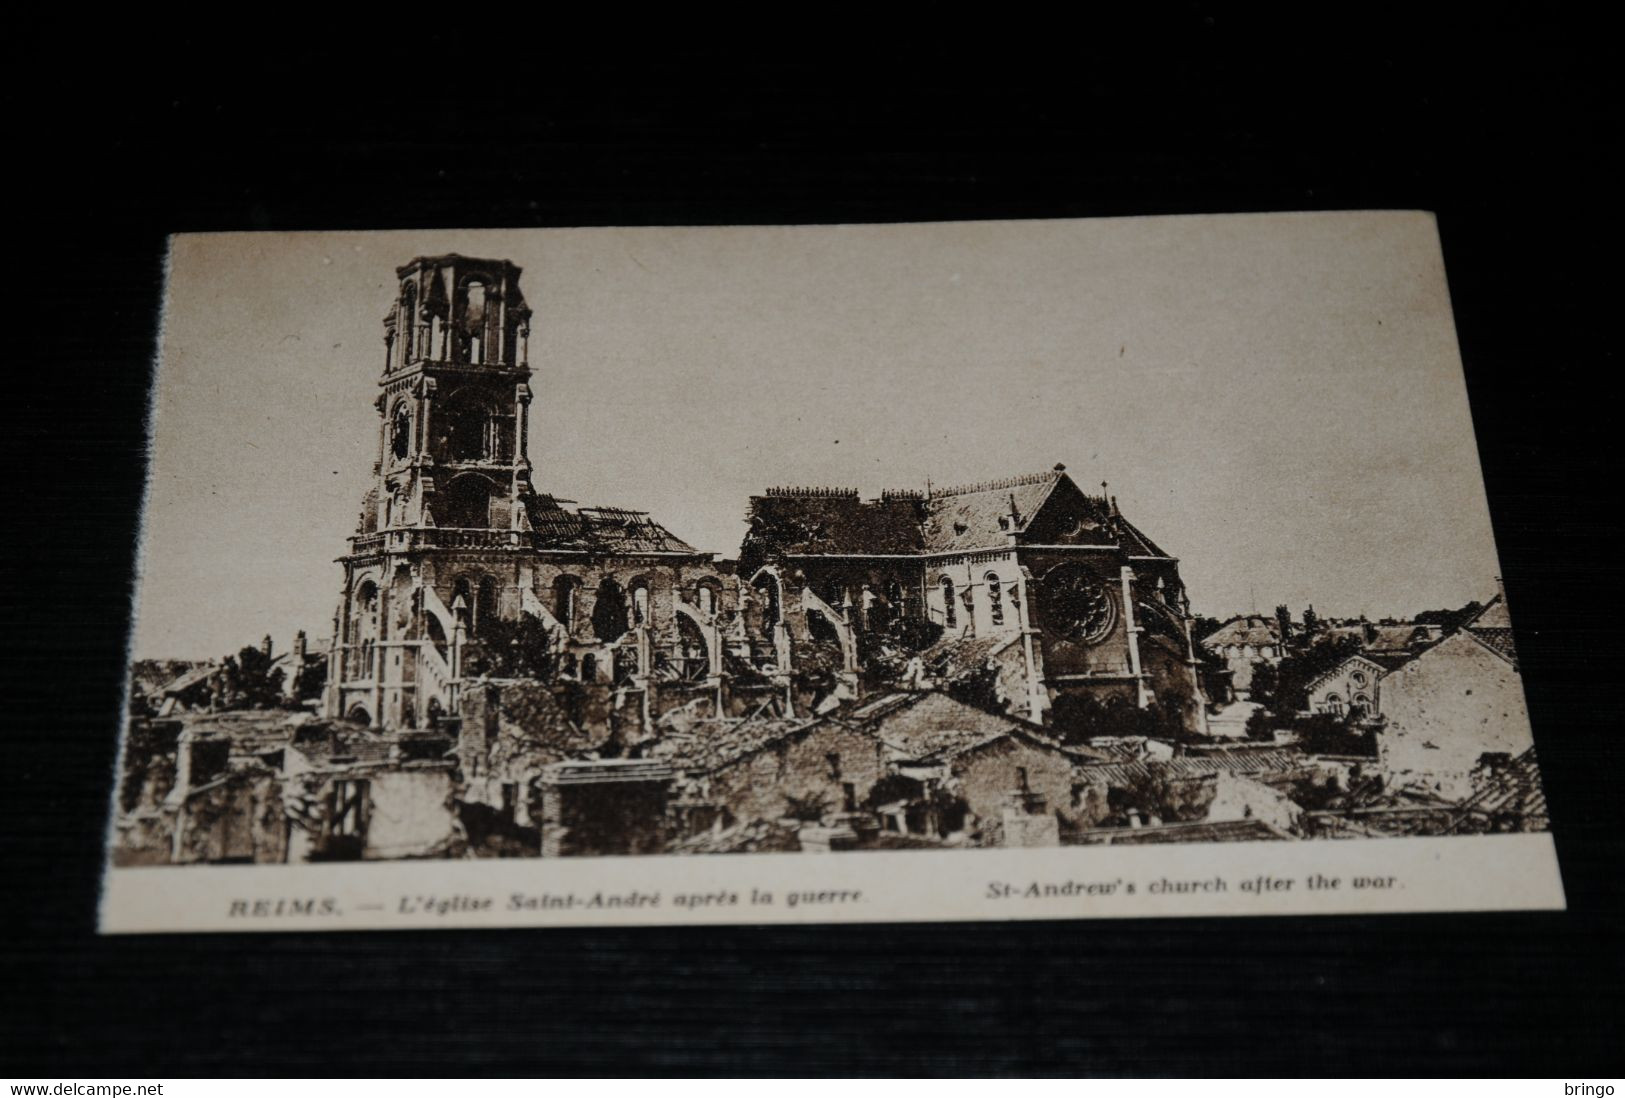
x: 400, y: 432
x: 464, y: 427
x: 485, y: 605
x: 768, y: 585
x: 472, y: 335
x: 950, y: 614
x: 465, y: 503
x: 564, y: 600
x: 640, y: 603
x: 462, y: 601
x: 407, y: 336
x: 995, y: 600
x: 609, y: 616
x: 363, y: 629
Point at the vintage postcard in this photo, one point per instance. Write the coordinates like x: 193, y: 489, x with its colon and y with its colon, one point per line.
x: 1049, y: 569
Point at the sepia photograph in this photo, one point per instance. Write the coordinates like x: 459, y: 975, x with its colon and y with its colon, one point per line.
x: 1037, y: 537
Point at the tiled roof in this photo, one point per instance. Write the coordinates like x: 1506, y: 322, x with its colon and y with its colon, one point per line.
x: 931, y: 727
x: 1402, y: 638
x: 1512, y: 789
x: 601, y: 771
x: 1498, y: 639
x: 598, y: 529
x: 836, y: 522
x: 153, y: 676
x: 1120, y: 750
x: 1269, y: 760
x: 959, y: 519
x: 954, y: 654
x: 1252, y: 629
x: 709, y: 745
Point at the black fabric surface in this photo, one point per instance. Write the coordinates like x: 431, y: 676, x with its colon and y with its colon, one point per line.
x: 116, y: 145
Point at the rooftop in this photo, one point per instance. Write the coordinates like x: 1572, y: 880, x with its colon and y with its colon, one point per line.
x: 835, y: 521
x: 609, y: 530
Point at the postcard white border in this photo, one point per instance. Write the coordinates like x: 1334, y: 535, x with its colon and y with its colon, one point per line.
x: 1430, y: 874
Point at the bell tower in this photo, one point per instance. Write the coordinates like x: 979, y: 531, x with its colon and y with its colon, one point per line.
x: 453, y: 398
x: 446, y: 516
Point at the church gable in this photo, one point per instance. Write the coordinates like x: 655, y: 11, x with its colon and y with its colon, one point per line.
x: 1068, y: 516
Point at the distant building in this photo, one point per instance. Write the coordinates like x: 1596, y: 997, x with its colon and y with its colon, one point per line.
x: 1388, y: 642
x: 1353, y: 686
x: 1243, y: 643
x: 1456, y: 703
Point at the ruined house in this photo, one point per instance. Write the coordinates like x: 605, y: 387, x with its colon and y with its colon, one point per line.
x: 353, y: 794
x: 988, y: 775
x: 203, y: 787
x: 1216, y: 785
x: 605, y: 806
x: 510, y: 732
x: 769, y: 767
x: 1448, y: 708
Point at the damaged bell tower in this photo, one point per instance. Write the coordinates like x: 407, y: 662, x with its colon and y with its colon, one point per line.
x: 449, y: 492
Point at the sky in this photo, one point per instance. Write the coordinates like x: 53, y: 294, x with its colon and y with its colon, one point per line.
x: 1277, y: 400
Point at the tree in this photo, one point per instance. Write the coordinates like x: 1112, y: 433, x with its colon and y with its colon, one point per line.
x: 1324, y: 734
x: 1266, y: 683
x: 520, y: 649
x: 610, y: 617
x: 1078, y: 718
x: 886, y: 652
x: 1151, y: 792
x: 978, y: 687
x: 1311, y: 623
x: 1298, y: 670
x: 250, y: 682
x: 310, y: 680
x: 1450, y: 620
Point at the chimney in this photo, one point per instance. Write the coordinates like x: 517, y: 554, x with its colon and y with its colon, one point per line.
x: 296, y: 666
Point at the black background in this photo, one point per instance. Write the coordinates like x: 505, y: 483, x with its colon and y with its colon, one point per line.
x: 1505, y: 130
